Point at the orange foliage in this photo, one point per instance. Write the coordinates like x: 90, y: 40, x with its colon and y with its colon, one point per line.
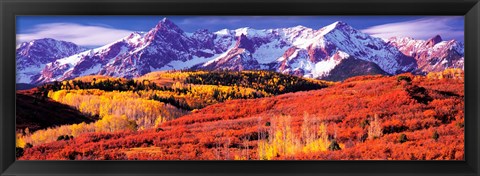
x: 358, y: 119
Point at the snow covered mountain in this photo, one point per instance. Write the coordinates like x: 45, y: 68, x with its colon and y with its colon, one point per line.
x: 433, y: 54
x: 306, y: 52
x: 164, y: 47
x: 298, y: 50
x: 31, y: 57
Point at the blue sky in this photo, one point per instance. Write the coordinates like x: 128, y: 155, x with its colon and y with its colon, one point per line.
x: 100, y: 30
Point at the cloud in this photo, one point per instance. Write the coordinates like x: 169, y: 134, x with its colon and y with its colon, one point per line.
x: 423, y: 28
x: 79, y: 34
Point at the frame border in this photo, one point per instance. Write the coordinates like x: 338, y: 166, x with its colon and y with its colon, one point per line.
x: 10, y: 8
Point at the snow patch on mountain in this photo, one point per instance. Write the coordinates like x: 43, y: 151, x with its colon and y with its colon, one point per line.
x: 179, y: 65
x: 269, y: 52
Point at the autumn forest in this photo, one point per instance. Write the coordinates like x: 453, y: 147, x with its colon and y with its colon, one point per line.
x: 243, y: 115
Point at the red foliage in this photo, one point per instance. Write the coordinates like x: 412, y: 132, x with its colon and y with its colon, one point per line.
x: 231, y: 129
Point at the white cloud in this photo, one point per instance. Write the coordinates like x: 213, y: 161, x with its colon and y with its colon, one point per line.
x: 424, y: 28
x: 76, y: 33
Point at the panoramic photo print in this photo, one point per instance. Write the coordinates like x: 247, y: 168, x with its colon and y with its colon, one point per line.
x: 240, y: 88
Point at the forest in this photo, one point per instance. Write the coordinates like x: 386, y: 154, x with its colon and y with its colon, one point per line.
x: 127, y: 104
x: 252, y: 115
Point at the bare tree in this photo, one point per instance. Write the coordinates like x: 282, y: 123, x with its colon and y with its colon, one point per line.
x: 226, y: 149
x: 375, y: 128
x: 246, y: 146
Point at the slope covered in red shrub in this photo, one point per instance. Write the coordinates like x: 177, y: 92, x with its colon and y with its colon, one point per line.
x: 403, y: 117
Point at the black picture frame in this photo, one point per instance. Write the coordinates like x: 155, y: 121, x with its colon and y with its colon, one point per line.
x: 11, y: 8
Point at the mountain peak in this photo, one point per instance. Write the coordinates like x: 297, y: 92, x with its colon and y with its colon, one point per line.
x: 338, y: 25
x: 43, y: 42
x: 44, y: 39
x: 299, y: 27
x: 244, y: 42
x: 166, y: 24
x: 165, y: 21
x: 437, y: 37
x: 434, y: 40
x: 222, y: 32
x: 400, y: 38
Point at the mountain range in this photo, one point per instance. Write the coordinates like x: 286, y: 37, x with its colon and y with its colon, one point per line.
x: 334, y: 52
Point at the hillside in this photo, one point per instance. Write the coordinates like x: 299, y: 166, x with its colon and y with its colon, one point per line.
x: 403, y: 117
x: 36, y: 113
x: 146, y: 102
